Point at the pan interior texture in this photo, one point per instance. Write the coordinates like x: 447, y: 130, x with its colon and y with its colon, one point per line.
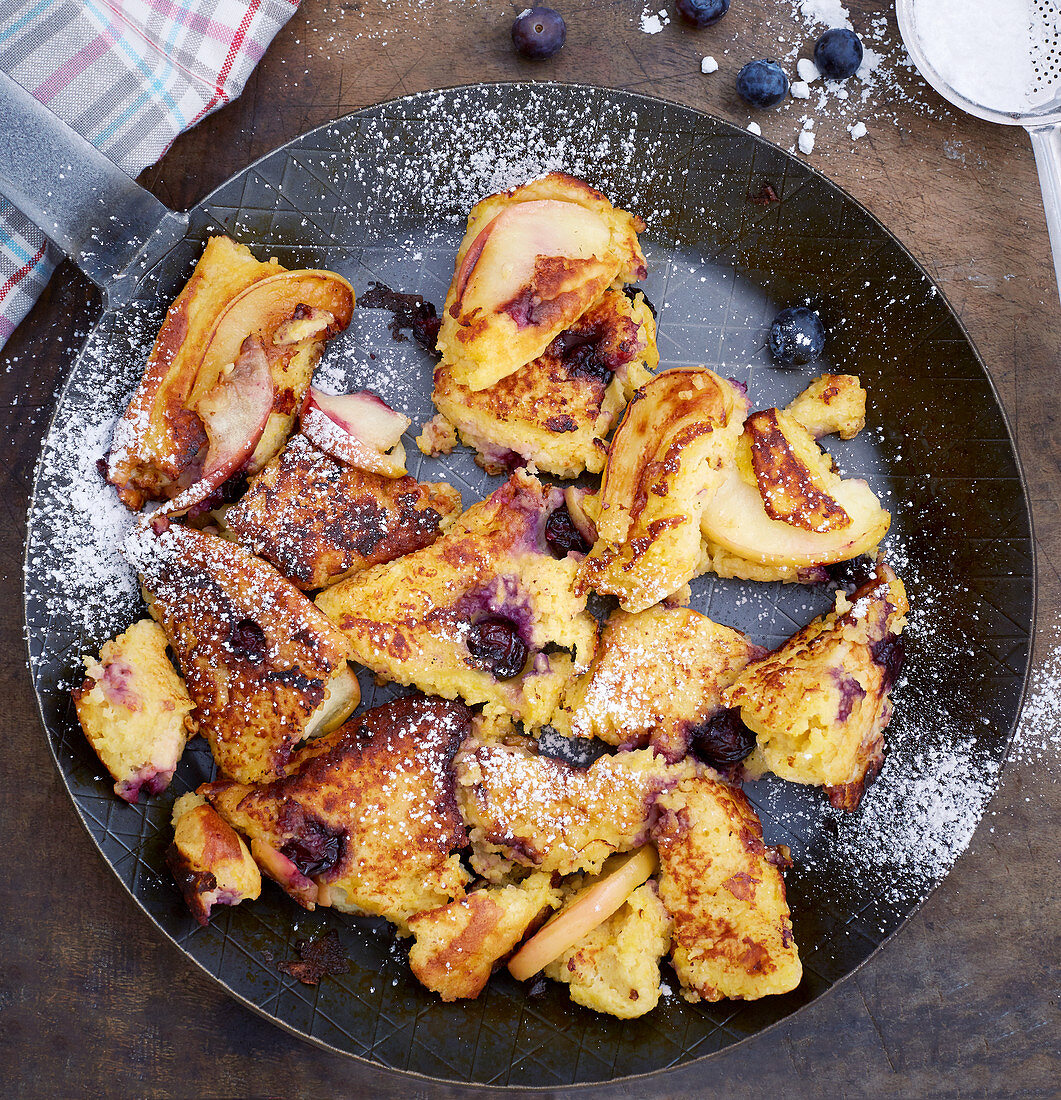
x: 737, y: 229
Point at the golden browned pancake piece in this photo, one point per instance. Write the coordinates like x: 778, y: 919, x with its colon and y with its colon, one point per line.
x: 819, y: 704
x: 458, y: 944
x: 665, y: 461
x: 367, y: 819
x: 722, y: 886
x: 209, y: 861
x: 656, y: 675
x: 231, y: 300
x: 258, y: 658
x: 557, y: 410
x: 319, y: 521
x: 615, y: 968
x: 472, y: 615
x: 532, y: 261
x: 135, y: 710
x: 544, y: 813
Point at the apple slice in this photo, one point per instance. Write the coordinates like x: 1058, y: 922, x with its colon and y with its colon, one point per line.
x: 265, y: 309
x: 359, y: 429
x: 591, y: 906
x: 574, y: 498
x: 280, y: 869
x: 502, y: 260
x: 794, y: 476
x: 736, y: 520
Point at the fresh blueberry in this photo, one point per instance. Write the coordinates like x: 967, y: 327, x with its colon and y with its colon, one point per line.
x: 762, y: 83
x: 497, y: 648
x: 538, y: 33
x: 838, y: 53
x: 562, y: 535
x: 797, y: 336
x: 703, y: 13
x: 723, y: 740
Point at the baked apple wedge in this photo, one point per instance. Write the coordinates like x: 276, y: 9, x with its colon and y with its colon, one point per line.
x: 532, y: 261
x: 665, y: 462
x: 783, y: 509
x: 358, y: 429
x: 162, y: 445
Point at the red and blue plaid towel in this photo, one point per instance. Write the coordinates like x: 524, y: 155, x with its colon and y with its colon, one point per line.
x: 130, y: 75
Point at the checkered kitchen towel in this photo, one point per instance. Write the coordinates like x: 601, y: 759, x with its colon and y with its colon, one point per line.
x: 130, y: 75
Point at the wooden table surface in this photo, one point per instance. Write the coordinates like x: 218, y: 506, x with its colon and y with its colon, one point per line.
x: 964, y: 1002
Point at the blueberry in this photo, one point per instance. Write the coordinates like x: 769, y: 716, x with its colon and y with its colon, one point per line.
x: 497, y: 648
x: 762, y: 83
x: 538, y: 33
x: 723, y: 740
x: 246, y: 639
x: 562, y: 535
x: 797, y: 336
x: 838, y: 53
x: 703, y: 13
x: 579, y: 752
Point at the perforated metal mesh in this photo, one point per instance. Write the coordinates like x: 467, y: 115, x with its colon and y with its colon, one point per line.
x: 1046, y: 46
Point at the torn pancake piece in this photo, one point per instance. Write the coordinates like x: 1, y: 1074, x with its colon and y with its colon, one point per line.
x: 665, y: 462
x: 135, y: 710
x: 320, y: 521
x: 819, y: 704
x: 261, y: 663
x: 556, y: 411
x: 479, y: 614
x: 532, y: 261
x: 366, y: 820
x: 458, y: 944
x: 541, y: 812
x: 723, y: 888
x: 210, y: 863
x: 656, y: 675
x: 615, y: 968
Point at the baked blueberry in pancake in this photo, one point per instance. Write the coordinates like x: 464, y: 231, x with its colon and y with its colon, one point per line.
x: 541, y: 812
x: 819, y: 704
x: 319, y: 520
x: 656, y: 676
x: 135, y: 710
x: 480, y: 614
x: 366, y: 820
x: 227, y: 373
x: 665, y: 461
x: 458, y: 944
x: 210, y: 863
x: 723, y: 888
x: 557, y: 410
x: 532, y: 261
x: 263, y: 666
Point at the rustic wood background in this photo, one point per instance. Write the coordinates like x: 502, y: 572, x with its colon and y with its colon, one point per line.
x: 964, y: 1002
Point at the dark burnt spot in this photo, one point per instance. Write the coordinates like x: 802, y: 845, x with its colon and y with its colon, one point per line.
x: 633, y: 291
x: 562, y: 536
x: 101, y: 468
x: 496, y: 647
x: 312, y: 845
x: 561, y: 423
x: 317, y: 957
x: 408, y: 311
x: 889, y: 654
x: 360, y: 527
x: 246, y: 640
x: 723, y: 739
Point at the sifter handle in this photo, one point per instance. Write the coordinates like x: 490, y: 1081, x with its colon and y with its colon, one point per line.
x: 1046, y: 143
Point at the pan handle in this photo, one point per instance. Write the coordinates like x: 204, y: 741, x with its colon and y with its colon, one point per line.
x: 102, y: 219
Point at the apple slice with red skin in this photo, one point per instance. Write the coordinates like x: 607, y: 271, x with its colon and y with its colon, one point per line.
x: 359, y: 429
x: 234, y: 414
x: 591, y: 906
x: 281, y: 870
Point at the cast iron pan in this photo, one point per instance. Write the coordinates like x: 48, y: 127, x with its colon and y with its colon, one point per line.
x: 736, y: 230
